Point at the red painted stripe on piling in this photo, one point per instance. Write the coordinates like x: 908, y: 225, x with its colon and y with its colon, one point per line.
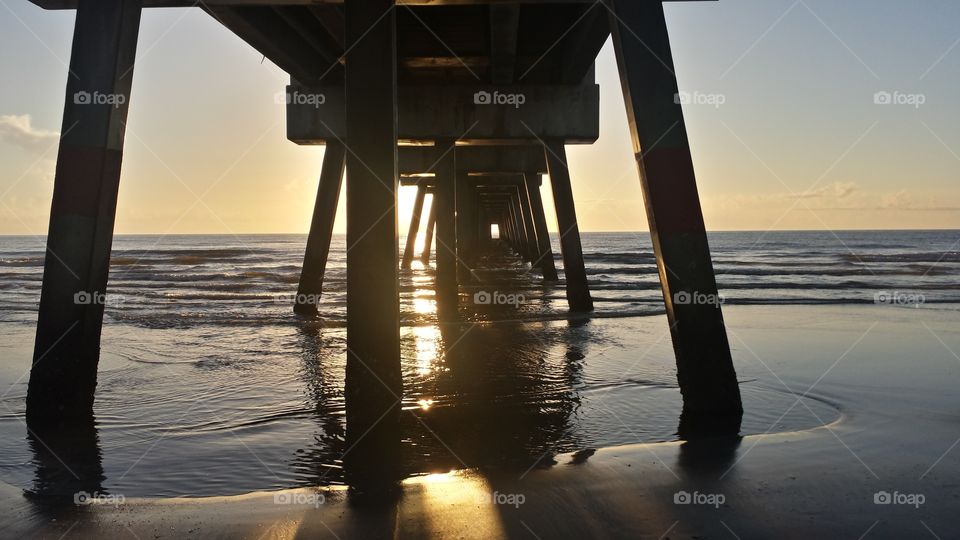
x: 671, y: 190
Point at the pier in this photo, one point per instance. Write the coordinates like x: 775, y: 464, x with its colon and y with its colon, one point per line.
x: 472, y: 102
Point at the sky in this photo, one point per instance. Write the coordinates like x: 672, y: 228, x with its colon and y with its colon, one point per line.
x: 783, y: 116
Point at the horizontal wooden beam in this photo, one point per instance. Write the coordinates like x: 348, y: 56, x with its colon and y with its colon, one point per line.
x: 514, y: 114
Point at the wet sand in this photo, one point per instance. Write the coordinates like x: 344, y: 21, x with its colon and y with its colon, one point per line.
x: 890, y: 371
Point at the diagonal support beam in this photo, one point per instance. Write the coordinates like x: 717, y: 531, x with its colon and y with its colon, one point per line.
x: 574, y: 271
x: 428, y: 235
x: 321, y: 231
x: 704, y: 365
x: 414, y: 228
x: 63, y: 376
x: 545, y: 252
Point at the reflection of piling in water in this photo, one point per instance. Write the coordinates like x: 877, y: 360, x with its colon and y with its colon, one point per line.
x: 68, y: 462
x: 527, y: 89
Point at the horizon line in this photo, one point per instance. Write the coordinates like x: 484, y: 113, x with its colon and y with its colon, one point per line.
x: 11, y: 235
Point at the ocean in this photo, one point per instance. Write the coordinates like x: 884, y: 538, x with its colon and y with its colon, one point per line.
x: 209, y: 385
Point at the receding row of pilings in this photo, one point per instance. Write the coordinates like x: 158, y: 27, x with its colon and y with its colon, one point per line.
x: 63, y: 375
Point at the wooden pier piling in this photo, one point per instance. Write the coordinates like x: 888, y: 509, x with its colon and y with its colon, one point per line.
x: 373, y: 384
x: 544, y: 250
x: 574, y: 271
x: 428, y: 234
x: 444, y: 199
x: 704, y: 365
x: 321, y: 230
x: 63, y: 377
x: 414, y: 228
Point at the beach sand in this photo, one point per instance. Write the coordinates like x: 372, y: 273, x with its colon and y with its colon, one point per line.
x: 891, y: 372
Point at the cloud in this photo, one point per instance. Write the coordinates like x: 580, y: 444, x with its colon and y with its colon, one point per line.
x: 836, y: 190
x: 19, y: 131
x: 900, y: 200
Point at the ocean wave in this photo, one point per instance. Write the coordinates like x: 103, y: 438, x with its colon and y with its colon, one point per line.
x: 933, y: 257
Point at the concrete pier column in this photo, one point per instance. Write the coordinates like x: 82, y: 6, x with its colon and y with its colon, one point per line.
x: 518, y: 223
x: 522, y: 246
x: 533, y: 247
x: 515, y: 230
x: 428, y: 234
x: 373, y: 380
x: 414, y: 226
x: 578, y: 292
x: 545, y: 251
x: 464, y: 194
x: 63, y: 376
x: 704, y: 366
x: 444, y: 196
x: 321, y: 230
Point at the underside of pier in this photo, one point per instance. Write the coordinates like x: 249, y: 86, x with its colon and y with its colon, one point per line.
x: 470, y: 102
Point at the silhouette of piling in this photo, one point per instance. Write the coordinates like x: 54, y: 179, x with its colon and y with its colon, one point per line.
x: 544, y: 250
x: 373, y: 382
x: 428, y: 234
x: 63, y: 376
x: 704, y: 365
x: 315, y: 255
x: 574, y: 271
x: 414, y: 228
